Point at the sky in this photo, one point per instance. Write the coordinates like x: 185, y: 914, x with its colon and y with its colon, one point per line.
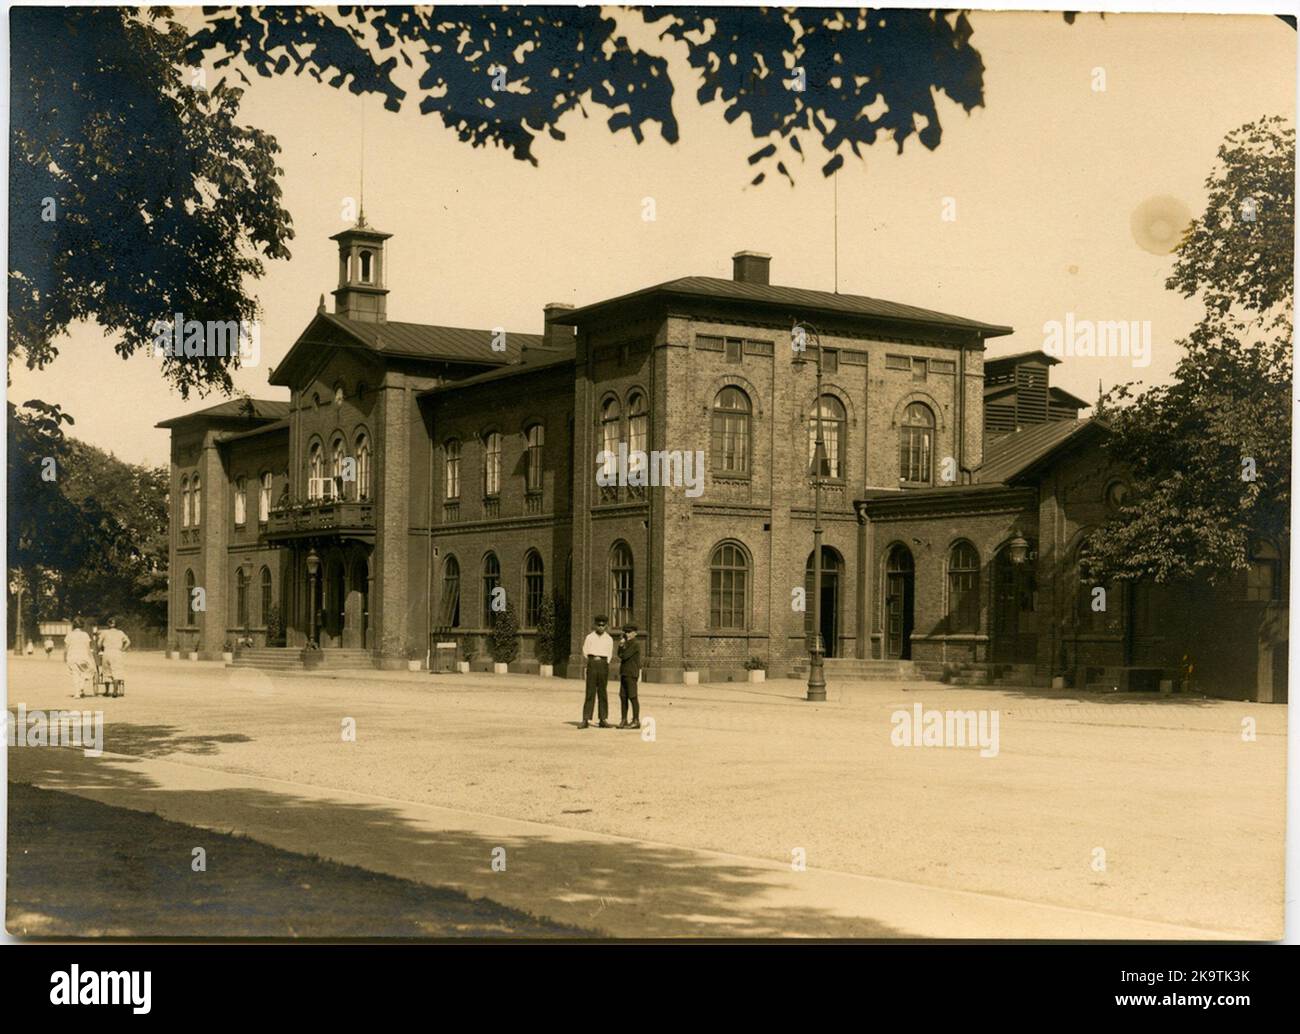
x: 1044, y: 181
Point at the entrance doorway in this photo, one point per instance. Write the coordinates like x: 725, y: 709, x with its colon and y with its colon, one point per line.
x: 832, y: 568
x: 900, y: 603
x: 1015, y: 592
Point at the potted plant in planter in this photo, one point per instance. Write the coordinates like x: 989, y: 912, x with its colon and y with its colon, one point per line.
x: 311, y: 655
x: 504, y: 645
x: 173, y: 650
x: 194, y: 653
x: 546, y: 641
x: 757, y: 668
x: 414, y: 658
x: 228, y: 652
x: 468, y: 651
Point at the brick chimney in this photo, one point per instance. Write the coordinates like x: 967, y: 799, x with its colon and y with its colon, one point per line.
x: 556, y: 335
x: 750, y: 267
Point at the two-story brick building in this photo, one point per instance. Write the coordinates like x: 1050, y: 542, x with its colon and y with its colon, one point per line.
x: 417, y: 468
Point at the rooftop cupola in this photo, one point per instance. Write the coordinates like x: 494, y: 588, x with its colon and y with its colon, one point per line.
x: 362, y: 293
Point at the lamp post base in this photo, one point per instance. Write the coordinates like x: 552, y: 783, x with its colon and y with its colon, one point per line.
x: 816, y: 679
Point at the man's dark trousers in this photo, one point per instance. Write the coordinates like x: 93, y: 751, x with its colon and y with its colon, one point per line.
x: 597, y: 677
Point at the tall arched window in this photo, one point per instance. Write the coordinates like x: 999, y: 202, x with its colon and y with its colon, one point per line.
x: 610, y: 434
x: 241, y: 500
x: 534, y: 588
x: 533, y: 470
x: 185, y: 502
x: 266, y: 600
x: 191, y: 615
x: 491, y: 580
x: 338, y: 453
x: 833, y: 422
x: 492, y: 464
x: 731, y: 423
x: 241, y: 598
x: 451, y: 592
x: 363, y: 466
x: 916, y: 445
x: 196, y: 500
x: 451, y: 469
x: 729, y: 587
x: 367, y: 267
x: 315, y: 470
x: 621, y: 585
x: 638, y: 433
x: 264, y: 498
x: 963, y: 588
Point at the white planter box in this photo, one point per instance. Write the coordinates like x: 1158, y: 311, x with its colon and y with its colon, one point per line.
x: 173, y: 655
x: 757, y: 675
x: 193, y: 655
x: 499, y: 669
x: 690, y: 678
x: 462, y: 667
x: 228, y: 656
x: 413, y: 665
x: 546, y: 671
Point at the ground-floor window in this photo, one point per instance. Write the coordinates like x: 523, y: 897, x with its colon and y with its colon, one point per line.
x: 533, y: 589
x: 729, y: 587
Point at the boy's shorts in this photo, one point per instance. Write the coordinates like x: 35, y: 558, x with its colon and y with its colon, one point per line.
x: 627, y: 685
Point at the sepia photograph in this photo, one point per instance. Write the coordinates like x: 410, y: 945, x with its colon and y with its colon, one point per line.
x: 636, y: 474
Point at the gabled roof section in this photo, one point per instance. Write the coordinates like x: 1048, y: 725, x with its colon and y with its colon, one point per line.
x: 1011, y: 457
x: 271, y: 428
x: 420, y: 341
x: 1019, y: 357
x: 1061, y: 395
x: 796, y: 300
x: 532, y: 361
x: 255, y: 411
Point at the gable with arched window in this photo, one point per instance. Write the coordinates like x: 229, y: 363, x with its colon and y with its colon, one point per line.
x: 729, y: 587
x: 732, y: 413
x: 916, y: 445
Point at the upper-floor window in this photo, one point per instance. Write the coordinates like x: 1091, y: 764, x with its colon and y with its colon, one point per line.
x: 916, y: 445
x: 338, y: 453
x: 451, y: 469
x: 610, y: 434
x: 241, y: 500
x: 185, y: 502
x: 315, y: 471
x: 492, y: 464
x: 264, y: 498
x: 363, y: 466
x: 730, y: 439
x: 638, y: 433
x: 830, y: 360
x: 833, y: 419
x: 196, y: 500
x: 533, y: 470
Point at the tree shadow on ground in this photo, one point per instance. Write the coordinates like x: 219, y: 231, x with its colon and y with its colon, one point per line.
x: 610, y: 887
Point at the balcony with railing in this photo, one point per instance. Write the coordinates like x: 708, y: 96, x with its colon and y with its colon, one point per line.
x: 327, y: 511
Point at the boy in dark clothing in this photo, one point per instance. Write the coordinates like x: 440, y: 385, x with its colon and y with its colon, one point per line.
x: 629, y: 671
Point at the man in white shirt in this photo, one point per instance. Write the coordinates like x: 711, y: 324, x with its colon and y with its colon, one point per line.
x: 597, y: 649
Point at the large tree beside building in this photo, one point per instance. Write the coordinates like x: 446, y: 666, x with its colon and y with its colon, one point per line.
x: 1210, y: 452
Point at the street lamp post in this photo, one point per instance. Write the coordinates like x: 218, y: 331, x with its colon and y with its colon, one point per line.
x: 313, y: 569
x: 816, y: 650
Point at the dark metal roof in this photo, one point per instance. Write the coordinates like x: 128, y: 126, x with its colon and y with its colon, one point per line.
x: 234, y: 436
x: 253, y: 410
x: 1011, y: 455
x: 1064, y: 396
x: 427, y: 341
x: 794, y: 299
x: 1016, y: 357
x: 532, y: 361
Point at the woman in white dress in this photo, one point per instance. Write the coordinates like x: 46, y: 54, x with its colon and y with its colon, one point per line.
x: 77, y: 656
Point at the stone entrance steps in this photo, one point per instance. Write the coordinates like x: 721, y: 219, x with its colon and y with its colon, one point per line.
x: 289, y: 658
x: 856, y: 669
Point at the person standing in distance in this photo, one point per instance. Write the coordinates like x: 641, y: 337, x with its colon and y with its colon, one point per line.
x: 597, y: 649
x: 629, y: 672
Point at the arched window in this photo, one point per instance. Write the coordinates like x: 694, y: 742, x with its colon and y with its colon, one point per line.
x: 191, y: 615
x: 916, y: 445
x: 610, y: 422
x: 1099, y: 606
x: 534, y: 587
x: 731, y: 423
x: 451, y: 592
x: 451, y: 469
x: 264, y: 498
x: 265, y: 598
x: 729, y: 587
x: 833, y: 421
x: 533, y: 470
x: 338, y: 453
x: 621, y: 585
x: 315, y: 470
x: 492, y: 464
x: 367, y: 266
x: 185, y: 502
x: 638, y: 433
x: 363, y: 466
x: 196, y: 499
x: 963, y: 588
x: 241, y: 500
x: 491, y: 580
x: 241, y: 598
